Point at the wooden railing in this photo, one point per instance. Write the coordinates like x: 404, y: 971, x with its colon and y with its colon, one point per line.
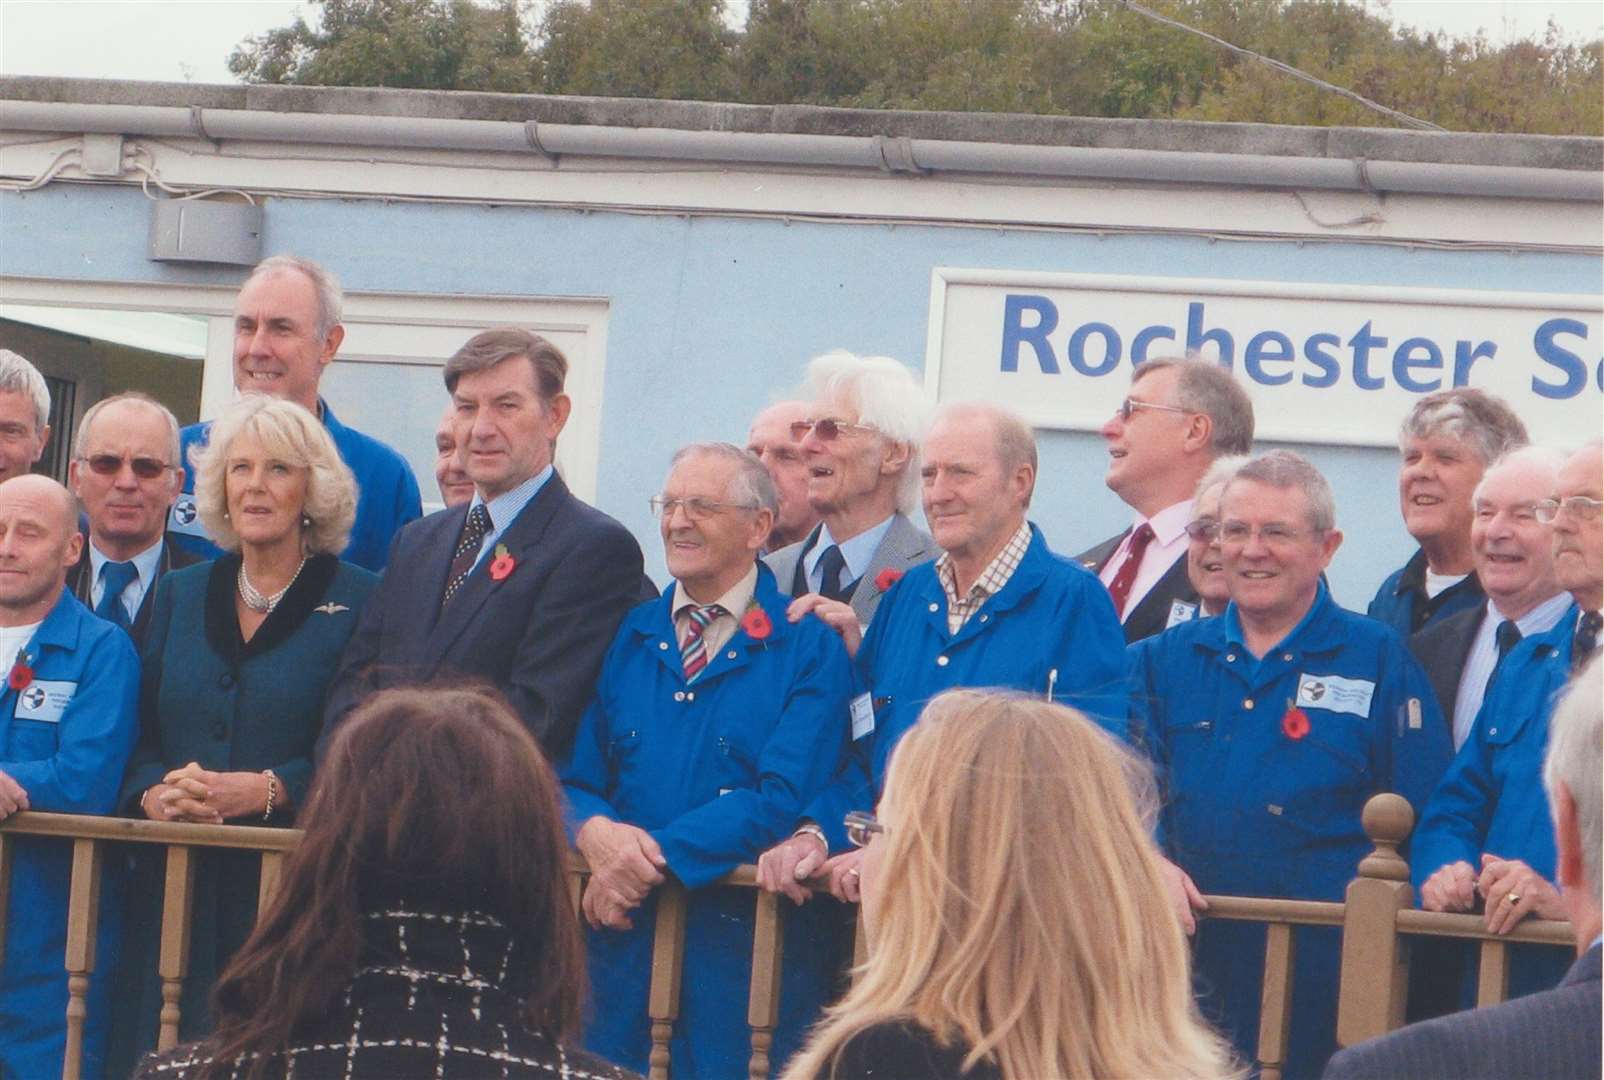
x: 1376, y: 919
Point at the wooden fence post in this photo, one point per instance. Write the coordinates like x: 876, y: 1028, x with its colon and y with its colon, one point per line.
x: 668, y: 964
x: 83, y: 916
x: 173, y: 960
x: 763, y: 1001
x: 1375, y: 961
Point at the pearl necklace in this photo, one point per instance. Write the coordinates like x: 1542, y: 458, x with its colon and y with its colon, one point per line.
x: 258, y: 601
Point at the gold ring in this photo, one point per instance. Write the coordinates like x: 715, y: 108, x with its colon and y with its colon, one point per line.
x: 1512, y: 898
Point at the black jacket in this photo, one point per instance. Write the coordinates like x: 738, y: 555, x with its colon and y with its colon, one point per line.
x: 538, y: 634
x: 436, y: 997
x: 1442, y: 649
x: 1152, y: 614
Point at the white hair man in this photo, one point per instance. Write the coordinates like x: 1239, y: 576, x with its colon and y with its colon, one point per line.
x: 286, y: 331
x: 1554, y: 1033
x: 861, y: 444
x: 126, y: 473
x: 1514, y: 561
x: 1447, y: 441
x: 24, y: 415
x: 1178, y: 418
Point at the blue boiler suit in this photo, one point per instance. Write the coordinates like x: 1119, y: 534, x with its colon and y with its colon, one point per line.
x: 65, y: 738
x: 1052, y: 627
x: 717, y: 771
x: 1492, y: 798
x: 386, y: 495
x: 1251, y: 811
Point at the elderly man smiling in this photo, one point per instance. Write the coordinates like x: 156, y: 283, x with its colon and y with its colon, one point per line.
x: 715, y: 721
x: 1272, y: 725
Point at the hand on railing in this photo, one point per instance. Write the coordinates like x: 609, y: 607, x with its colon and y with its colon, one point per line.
x: 1451, y: 888
x: 1184, y: 895
x: 1513, y: 891
x: 12, y: 798
x: 786, y: 867
x: 842, y: 874
x: 625, y: 865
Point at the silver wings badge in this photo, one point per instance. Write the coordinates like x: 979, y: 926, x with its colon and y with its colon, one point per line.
x: 331, y: 608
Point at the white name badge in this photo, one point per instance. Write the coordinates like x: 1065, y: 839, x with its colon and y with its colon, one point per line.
x: 1180, y: 612
x: 1335, y: 693
x: 185, y: 518
x: 46, y: 701
x: 862, y: 716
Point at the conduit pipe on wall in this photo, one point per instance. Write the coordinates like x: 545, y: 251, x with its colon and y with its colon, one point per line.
x: 878, y: 153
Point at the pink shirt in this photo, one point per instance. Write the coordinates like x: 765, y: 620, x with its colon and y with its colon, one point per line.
x: 1167, y: 545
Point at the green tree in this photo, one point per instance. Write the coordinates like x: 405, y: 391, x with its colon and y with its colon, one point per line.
x: 638, y: 48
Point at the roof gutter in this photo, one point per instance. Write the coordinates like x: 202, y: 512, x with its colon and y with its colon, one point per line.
x: 895, y: 154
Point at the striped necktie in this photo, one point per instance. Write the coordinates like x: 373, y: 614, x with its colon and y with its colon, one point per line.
x: 693, y: 651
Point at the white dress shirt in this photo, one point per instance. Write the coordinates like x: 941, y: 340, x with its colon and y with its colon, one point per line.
x: 1167, y: 545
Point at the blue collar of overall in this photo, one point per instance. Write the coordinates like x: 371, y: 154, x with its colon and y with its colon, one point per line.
x: 1315, y: 632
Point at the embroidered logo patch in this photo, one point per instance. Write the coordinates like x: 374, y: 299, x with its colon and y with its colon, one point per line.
x: 1335, y: 694
x: 185, y: 517
x: 45, y: 700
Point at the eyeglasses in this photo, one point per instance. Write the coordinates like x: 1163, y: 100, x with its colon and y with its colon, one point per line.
x: 1580, y: 507
x: 697, y: 509
x: 827, y: 429
x: 861, y: 828
x: 1203, y: 529
x: 1274, y: 535
x: 1130, y: 405
x: 145, y: 468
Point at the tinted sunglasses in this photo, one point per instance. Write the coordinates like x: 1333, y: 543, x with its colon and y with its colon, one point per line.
x: 145, y: 468
x: 826, y: 429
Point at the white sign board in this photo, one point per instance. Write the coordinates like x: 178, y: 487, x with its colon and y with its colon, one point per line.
x: 1323, y: 363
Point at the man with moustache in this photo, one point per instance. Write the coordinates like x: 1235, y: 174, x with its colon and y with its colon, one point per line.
x: 125, y: 471
x: 780, y: 450
x: 67, y: 726
x: 861, y: 447
x: 1485, y: 836
x: 1447, y: 440
x: 1178, y: 419
x: 286, y: 332
x: 1514, y: 563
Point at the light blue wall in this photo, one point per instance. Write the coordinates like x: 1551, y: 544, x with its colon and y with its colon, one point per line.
x: 711, y: 318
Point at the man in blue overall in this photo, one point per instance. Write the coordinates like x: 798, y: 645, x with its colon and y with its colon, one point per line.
x: 715, y: 721
x: 998, y: 608
x: 1486, y: 836
x: 1271, y: 726
x: 67, y: 726
x: 286, y: 332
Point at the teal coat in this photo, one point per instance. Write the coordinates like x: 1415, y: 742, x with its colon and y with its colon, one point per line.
x: 233, y: 707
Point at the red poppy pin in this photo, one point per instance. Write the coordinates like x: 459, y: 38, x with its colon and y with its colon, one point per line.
x: 21, y: 674
x: 1295, y: 724
x: 756, y: 623
x: 503, y: 564
x: 887, y: 578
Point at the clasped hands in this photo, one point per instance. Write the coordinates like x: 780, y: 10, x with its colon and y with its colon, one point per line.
x: 625, y: 865
x: 199, y: 795
x: 799, y: 865
x: 1511, y: 889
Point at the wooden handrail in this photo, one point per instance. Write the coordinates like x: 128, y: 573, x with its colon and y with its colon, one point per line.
x: 90, y: 827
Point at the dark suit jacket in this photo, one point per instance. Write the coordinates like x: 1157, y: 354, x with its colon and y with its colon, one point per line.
x: 1152, y: 614
x: 1442, y: 648
x: 538, y: 635
x: 173, y: 557
x: 1554, y: 1035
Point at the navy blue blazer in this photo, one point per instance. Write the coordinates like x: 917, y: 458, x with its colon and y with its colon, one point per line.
x: 538, y: 635
x: 1554, y: 1034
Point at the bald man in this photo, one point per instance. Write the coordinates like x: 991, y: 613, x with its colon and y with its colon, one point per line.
x: 771, y: 440
x: 67, y: 726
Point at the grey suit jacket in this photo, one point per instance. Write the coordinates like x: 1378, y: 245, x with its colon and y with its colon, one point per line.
x: 905, y: 546
x: 1554, y: 1035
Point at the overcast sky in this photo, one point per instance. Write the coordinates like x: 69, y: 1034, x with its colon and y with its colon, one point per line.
x: 189, y: 40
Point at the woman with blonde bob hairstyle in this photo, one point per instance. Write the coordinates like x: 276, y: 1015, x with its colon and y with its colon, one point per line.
x: 237, y: 661
x: 1018, y: 923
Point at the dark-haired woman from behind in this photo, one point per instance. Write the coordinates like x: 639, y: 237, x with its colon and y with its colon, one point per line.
x: 424, y: 926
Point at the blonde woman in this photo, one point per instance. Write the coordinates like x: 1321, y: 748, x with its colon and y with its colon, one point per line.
x: 237, y: 661
x: 1018, y: 923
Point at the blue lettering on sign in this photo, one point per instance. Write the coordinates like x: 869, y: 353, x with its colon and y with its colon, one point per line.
x: 1270, y: 357
x: 1077, y: 349
x: 1417, y: 352
x: 1257, y: 354
x: 1016, y: 333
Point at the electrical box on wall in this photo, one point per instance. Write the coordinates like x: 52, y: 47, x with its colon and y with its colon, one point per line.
x: 205, y: 231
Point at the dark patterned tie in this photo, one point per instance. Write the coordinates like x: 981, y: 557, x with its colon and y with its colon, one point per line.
x: 474, y: 530
x: 114, y: 578
x: 1120, y: 587
x: 832, y: 565
x: 1585, y: 643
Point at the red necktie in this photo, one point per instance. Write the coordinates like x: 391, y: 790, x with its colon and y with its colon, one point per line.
x: 1120, y: 587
